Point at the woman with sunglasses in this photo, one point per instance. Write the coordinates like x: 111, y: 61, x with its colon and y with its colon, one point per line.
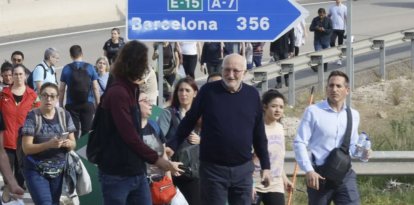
x: 15, y: 102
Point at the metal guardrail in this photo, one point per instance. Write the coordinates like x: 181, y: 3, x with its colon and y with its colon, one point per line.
x: 262, y: 74
x: 381, y: 163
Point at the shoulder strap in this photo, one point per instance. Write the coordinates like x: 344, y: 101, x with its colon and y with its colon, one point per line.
x: 85, y: 65
x: 62, y: 118
x: 72, y: 65
x: 174, y: 118
x: 100, y: 85
x: 38, y: 120
x: 155, y: 126
x: 44, y: 69
x: 347, y: 137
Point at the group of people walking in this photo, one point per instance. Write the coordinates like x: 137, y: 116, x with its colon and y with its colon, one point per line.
x: 238, y: 134
x: 225, y: 131
x: 33, y: 121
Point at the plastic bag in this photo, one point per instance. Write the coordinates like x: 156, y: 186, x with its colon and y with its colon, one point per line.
x: 181, y: 71
x: 179, y: 199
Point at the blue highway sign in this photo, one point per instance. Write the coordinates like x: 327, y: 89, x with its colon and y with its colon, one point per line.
x: 211, y: 20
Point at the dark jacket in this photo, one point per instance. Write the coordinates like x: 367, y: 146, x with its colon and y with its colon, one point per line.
x: 284, y: 44
x: 211, y: 53
x: 125, y: 153
x: 325, y: 23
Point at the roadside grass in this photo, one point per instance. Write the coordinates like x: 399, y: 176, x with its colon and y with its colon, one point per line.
x: 390, y: 124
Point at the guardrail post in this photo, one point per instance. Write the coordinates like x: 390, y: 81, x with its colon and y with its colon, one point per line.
x: 410, y: 36
x: 289, y: 68
x: 380, y: 44
x: 317, y: 60
x: 261, y: 79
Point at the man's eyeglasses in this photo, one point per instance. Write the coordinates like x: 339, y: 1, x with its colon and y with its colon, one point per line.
x: 46, y: 96
x: 235, y: 71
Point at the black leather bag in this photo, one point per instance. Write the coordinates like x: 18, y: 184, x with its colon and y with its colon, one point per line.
x: 338, y: 162
x: 336, y: 166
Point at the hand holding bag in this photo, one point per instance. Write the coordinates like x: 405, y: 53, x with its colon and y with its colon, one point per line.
x: 162, y: 191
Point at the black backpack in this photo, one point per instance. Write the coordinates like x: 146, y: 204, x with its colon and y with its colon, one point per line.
x: 38, y: 122
x: 80, y: 84
x: 30, y: 81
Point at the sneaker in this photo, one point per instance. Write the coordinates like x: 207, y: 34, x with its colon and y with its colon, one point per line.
x: 339, y: 62
x: 14, y: 202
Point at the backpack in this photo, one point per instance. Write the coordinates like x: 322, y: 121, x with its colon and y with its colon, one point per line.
x: 38, y: 122
x: 80, y: 84
x: 96, y: 142
x: 155, y: 126
x: 30, y: 81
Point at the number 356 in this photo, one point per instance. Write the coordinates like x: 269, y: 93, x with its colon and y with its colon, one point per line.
x: 253, y: 23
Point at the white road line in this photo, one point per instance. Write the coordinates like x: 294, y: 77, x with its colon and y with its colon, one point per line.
x: 323, y: 2
x: 58, y: 35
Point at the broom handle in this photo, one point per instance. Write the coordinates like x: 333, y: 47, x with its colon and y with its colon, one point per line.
x: 296, y: 169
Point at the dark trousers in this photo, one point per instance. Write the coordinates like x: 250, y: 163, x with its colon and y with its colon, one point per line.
x: 190, y: 188
x: 189, y: 64
x: 270, y: 198
x: 219, y: 184
x: 278, y: 57
x: 82, y: 116
x: 339, y: 34
x: 296, y: 50
x: 14, y: 165
x: 213, y: 68
x: 345, y: 194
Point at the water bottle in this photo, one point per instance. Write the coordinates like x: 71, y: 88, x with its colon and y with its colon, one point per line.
x: 366, y: 147
x: 359, y: 150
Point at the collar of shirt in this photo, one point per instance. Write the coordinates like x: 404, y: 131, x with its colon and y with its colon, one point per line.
x: 325, y: 105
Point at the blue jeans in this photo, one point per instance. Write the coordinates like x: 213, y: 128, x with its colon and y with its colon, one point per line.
x: 219, y: 184
x: 321, y: 43
x: 125, y: 190
x: 44, y: 191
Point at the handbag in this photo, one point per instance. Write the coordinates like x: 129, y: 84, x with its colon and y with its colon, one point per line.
x: 338, y: 162
x: 188, y: 154
x: 83, y: 181
x: 162, y: 191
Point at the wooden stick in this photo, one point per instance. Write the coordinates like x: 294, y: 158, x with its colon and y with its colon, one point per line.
x: 296, y: 169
